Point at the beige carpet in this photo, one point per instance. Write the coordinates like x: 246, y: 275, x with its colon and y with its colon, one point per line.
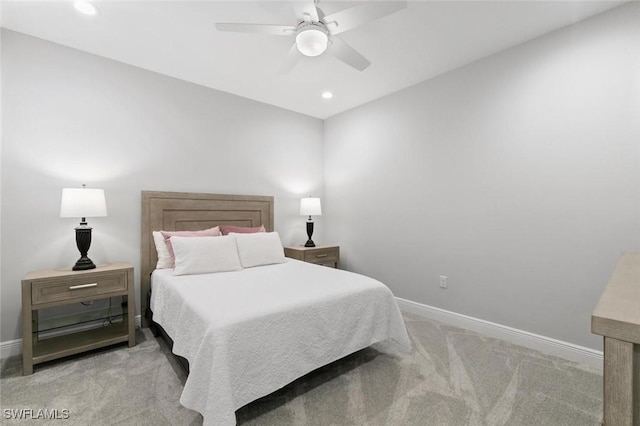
x: 451, y: 377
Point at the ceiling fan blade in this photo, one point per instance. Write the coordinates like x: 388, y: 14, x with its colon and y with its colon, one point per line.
x: 351, y: 18
x: 290, y: 61
x: 284, y: 30
x: 306, y: 9
x: 347, y: 54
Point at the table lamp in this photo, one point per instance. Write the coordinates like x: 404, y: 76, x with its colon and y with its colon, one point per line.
x: 83, y: 202
x: 310, y: 207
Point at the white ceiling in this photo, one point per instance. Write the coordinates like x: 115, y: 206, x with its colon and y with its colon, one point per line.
x: 178, y: 38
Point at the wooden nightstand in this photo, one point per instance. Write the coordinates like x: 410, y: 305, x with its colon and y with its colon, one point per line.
x: 55, y: 287
x: 321, y: 255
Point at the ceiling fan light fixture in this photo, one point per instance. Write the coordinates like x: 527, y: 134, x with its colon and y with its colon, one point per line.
x: 312, y: 40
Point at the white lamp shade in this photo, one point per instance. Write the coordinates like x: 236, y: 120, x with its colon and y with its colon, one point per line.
x: 310, y: 207
x: 311, y: 41
x: 83, y: 202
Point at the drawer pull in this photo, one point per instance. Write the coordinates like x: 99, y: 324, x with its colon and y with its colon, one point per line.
x: 322, y: 255
x: 78, y: 287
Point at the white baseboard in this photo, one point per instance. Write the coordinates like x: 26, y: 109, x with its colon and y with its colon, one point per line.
x: 14, y: 347
x: 10, y: 348
x: 544, y: 344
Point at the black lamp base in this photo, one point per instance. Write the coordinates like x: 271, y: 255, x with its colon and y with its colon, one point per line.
x: 83, y: 264
x: 309, y: 242
x: 83, y: 241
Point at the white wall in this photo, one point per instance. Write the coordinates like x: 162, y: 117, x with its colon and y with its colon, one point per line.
x: 517, y: 176
x: 71, y: 118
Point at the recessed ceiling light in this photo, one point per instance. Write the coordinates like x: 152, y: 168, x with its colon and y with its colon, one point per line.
x: 85, y: 7
x: 327, y: 95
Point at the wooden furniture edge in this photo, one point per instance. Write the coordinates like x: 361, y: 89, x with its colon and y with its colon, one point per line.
x: 68, y: 272
x: 620, y: 299
x: 615, y: 329
x: 27, y: 330
x: 617, y: 318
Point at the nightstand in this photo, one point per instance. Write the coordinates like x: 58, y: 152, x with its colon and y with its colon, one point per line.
x: 321, y: 255
x: 76, y: 333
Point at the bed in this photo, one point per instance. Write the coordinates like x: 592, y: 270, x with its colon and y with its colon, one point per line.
x: 246, y: 333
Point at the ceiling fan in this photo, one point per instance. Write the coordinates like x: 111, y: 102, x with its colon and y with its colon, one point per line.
x: 316, y: 32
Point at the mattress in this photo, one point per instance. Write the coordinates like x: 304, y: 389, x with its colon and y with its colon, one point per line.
x: 248, y: 333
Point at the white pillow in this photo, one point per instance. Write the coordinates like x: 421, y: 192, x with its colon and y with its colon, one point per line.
x: 261, y: 248
x: 203, y: 255
x: 164, y: 258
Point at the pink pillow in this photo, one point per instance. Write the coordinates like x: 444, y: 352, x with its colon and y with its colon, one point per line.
x: 211, y: 232
x: 226, y: 229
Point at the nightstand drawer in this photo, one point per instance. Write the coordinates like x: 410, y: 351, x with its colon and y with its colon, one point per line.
x: 77, y: 288
x: 327, y: 255
x: 320, y: 255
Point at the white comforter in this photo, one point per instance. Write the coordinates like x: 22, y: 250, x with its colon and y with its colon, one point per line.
x: 248, y: 333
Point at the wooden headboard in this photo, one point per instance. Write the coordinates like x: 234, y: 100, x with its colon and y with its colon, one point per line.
x: 183, y: 211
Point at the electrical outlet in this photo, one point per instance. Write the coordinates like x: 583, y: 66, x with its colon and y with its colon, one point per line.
x: 443, y: 281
